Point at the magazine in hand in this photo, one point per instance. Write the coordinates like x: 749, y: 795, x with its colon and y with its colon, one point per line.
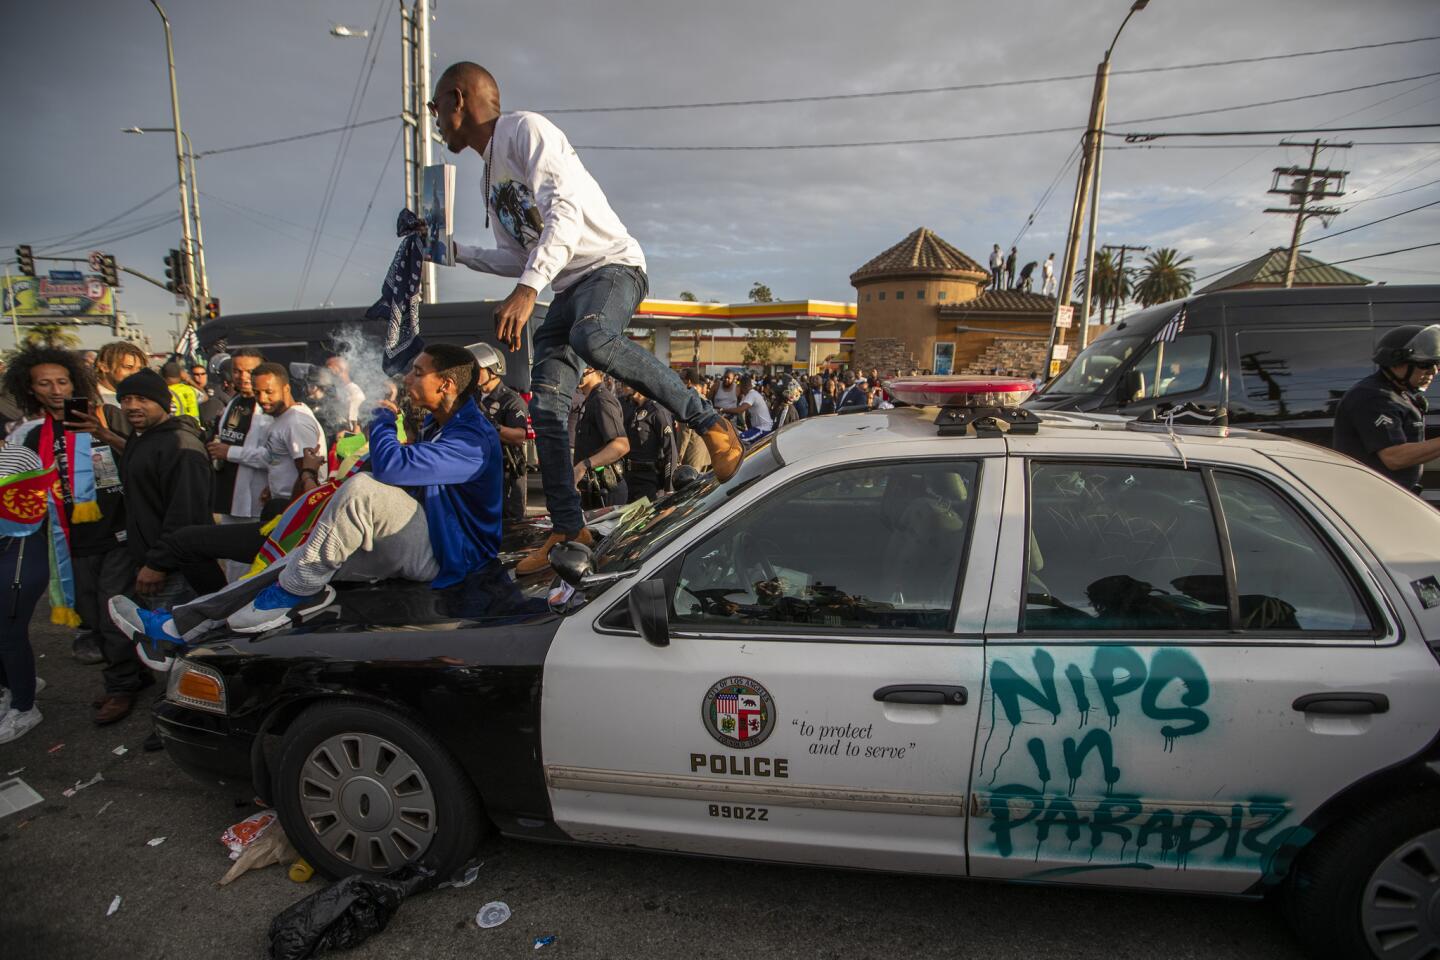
x: 437, y: 209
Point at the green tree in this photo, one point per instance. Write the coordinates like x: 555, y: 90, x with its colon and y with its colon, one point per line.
x: 1165, y: 276
x: 759, y: 293
x: 1112, y: 285
x: 688, y: 297
x: 51, y: 335
x: 762, y: 345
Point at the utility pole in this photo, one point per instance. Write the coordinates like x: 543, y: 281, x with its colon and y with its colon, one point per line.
x: 1306, y: 184
x: 415, y: 116
x: 186, y: 242
x: 203, y: 290
x: 1085, y: 180
x: 1115, y: 306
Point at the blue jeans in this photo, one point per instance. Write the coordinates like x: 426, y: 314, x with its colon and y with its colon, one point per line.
x: 585, y: 326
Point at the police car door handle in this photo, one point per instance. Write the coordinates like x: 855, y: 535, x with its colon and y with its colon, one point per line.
x: 932, y: 693
x: 1343, y: 704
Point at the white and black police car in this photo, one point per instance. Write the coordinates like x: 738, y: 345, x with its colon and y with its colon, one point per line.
x: 975, y: 641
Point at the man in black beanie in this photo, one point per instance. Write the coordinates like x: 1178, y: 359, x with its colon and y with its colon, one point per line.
x: 167, y: 479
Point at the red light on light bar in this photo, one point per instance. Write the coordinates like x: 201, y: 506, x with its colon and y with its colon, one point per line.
x: 961, y: 391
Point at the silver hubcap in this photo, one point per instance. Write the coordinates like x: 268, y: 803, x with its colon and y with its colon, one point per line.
x: 1401, y: 911
x: 367, y: 801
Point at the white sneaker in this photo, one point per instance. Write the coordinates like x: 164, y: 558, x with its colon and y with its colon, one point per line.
x: 17, y: 723
x: 5, y: 695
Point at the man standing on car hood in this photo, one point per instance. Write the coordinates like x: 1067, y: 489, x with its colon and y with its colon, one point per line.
x: 553, y: 226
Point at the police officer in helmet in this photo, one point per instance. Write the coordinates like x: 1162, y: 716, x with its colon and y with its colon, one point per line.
x: 506, y: 411
x: 1381, y: 420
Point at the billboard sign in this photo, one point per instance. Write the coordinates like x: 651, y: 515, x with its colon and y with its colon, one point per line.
x: 70, y: 294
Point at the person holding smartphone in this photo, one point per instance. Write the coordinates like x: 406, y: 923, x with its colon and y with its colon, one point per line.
x: 58, y: 392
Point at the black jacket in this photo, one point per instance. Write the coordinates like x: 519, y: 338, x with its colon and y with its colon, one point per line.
x: 167, y: 485
x: 807, y: 406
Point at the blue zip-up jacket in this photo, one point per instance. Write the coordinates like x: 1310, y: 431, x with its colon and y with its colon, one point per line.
x: 456, y: 473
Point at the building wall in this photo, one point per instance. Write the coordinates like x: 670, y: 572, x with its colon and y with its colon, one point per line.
x: 909, y: 313
x: 726, y: 350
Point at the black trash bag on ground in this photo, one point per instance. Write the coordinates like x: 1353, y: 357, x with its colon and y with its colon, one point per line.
x: 344, y: 914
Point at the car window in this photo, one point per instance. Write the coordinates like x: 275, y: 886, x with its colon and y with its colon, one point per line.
x: 1285, y: 577
x: 1169, y: 367
x: 877, y: 547
x: 1096, y: 366
x: 1293, y: 373
x: 1117, y: 547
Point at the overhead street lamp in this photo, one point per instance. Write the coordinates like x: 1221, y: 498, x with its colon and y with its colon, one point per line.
x: 204, y: 280
x: 340, y: 30
x: 1087, y: 182
x: 186, y: 242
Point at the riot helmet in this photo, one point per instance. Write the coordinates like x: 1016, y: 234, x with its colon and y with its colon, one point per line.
x: 488, y: 357
x: 1411, y: 343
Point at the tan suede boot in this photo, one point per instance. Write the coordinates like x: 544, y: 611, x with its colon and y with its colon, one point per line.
x: 725, y: 448
x: 539, y: 558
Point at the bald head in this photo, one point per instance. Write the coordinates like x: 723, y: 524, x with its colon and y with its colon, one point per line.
x: 467, y: 101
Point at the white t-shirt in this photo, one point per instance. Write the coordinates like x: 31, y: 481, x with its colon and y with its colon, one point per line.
x: 284, y: 441
x: 354, y: 400
x: 759, y: 411
x: 551, y: 220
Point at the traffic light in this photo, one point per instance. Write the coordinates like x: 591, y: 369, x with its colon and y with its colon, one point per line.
x: 175, y: 274
x: 212, y: 308
x: 109, y: 272
x: 26, y: 258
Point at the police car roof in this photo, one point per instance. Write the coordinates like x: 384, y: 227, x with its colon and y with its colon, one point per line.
x: 817, y: 436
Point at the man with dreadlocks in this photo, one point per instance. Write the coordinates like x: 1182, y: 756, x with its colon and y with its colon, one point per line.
x: 425, y: 511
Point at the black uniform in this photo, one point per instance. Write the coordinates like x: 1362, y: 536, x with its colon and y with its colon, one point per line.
x: 504, y: 407
x: 1375, y: 414
x: 653, y: 452
x: 600, y: 421
x: 232, y: 428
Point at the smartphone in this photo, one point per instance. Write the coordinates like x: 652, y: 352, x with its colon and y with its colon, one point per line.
x: 74, y: 405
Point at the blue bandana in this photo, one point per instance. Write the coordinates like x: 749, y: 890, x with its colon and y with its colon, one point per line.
x: 399, y: 303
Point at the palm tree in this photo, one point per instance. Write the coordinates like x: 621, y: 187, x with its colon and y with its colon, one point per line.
x: 51, y: 335
x: 1112, y: 285
x: 1164, y: 277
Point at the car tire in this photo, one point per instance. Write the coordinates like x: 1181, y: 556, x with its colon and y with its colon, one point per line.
x: 1370, y: 886
x: 361, y: 788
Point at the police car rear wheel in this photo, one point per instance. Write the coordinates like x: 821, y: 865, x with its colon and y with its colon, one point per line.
x: 361, y: 789
x: 1370, y: 887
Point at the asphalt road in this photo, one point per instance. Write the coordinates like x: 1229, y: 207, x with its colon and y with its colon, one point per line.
x: 63, y: 861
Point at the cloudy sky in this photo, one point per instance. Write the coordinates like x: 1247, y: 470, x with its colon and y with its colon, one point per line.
x: 77, y: 73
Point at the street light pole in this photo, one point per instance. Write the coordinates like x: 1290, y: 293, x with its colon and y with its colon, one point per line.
x: 204, y: 287
x: 1087, y: 179
x: 185, y: 239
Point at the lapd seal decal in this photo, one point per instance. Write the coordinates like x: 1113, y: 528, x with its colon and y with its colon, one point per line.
x: 738, y: 712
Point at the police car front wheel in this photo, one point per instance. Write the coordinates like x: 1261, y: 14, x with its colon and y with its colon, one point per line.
x: 362, y: 789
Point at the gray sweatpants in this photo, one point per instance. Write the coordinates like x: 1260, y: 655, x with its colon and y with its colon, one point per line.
x: 368, y: 531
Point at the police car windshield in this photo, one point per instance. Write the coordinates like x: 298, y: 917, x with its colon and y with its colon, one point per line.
x: 660, y: 522
x: 1095, y: 370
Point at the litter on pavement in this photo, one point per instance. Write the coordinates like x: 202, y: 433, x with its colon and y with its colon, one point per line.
x: 155, y: 841
x: 121, y: 750
x: 104, y: 807
x: 55, y: 748
x: 255, y: 842
x: 114, y: 905
x: 492, y: 914
x: 468, y: 878
x: 81, y: 786
x: 15, y: 772
x: 343, y: 914
x: 16, y: 795
x: 544, y: 941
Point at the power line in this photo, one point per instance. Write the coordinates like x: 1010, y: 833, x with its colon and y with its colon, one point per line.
x: 161, y: 221
x: 243, y: 210
x: 1383, y: 196
x: 1372, y: 223
x: 1054, y: 182
x: 357, y: 97
x: 1251, y: 146
x: 298, y: 136
x: 1143, y: 137
x: 249, y: 213
x: 1372, y: 256
x: 65, y: 239
x: 984, y: 85
x: 1271, y: 103
x: 384, y: 169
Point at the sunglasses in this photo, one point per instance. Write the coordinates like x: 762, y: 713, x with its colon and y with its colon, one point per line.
x: 1426, y: 364
x: 434, y: 105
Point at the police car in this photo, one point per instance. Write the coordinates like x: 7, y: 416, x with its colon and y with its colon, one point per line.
x: 972, y: 642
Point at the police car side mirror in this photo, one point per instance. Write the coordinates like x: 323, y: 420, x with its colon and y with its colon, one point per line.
x: 650, y: 611
x: 572, y: 561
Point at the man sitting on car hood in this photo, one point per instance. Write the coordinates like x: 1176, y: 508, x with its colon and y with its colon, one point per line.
x: 427, y: 511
